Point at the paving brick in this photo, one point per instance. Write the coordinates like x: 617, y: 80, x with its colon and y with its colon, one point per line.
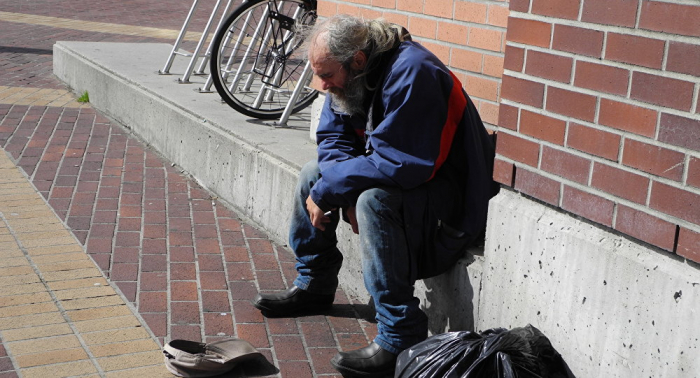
x: 51, y: 357
x: 127, y: 347
x: 76, y: 368
x: 131, y: 360
x: 115, y: 335
x: 218, y: 324
x: 45, y: 344
x: 36, y: 332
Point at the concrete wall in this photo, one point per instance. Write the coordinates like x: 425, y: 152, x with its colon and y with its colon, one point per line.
x: 611, y: 306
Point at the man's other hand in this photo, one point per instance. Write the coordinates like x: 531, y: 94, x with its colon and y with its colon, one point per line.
x: 316, y: 215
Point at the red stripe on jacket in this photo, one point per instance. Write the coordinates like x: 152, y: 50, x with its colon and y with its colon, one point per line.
x: 455, y: 111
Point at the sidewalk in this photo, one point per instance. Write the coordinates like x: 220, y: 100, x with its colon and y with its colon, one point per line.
x: 81, y: 200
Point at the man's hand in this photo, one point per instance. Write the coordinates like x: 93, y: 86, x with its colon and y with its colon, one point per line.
x: 316, y: 215
x: 352, y: 218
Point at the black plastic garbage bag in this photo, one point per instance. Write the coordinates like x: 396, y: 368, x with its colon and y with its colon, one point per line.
x: 495, y: 353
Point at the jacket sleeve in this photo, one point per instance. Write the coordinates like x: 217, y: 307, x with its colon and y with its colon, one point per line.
x: 405, y: 146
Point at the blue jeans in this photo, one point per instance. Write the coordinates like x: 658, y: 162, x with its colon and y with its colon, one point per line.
x: 388, y: 257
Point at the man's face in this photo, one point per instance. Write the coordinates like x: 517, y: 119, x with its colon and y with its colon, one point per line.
x: 348, y: 91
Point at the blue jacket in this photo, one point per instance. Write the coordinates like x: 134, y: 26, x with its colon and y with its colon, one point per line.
x: 422, y: 125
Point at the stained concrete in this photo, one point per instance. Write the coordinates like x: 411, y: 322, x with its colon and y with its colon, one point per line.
x: 611, y: 306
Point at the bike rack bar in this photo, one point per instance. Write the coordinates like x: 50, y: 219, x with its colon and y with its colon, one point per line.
x: 207, y: 54
x: 195, y: 55
x: 178, y: 41
x: 305, y: 76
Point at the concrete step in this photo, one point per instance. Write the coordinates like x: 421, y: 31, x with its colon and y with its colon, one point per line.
x: 249, y: 164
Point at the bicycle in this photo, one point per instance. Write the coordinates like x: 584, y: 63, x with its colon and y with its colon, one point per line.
x: 257, y: 65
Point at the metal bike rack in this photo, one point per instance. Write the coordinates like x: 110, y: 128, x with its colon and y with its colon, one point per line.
x: 194, y: 56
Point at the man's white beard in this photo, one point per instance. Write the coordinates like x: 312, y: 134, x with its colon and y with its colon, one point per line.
x: 351, y: 99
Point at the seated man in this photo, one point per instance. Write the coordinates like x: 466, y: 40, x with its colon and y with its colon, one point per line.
x: 404, y: 158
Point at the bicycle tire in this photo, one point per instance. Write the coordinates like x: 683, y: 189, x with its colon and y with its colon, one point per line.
x: 241, y: 49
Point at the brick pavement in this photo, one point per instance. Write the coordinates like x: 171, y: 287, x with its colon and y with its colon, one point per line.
x: 186, y: 263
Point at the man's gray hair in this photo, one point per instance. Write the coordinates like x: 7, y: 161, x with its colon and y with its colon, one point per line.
x: 346, y: 35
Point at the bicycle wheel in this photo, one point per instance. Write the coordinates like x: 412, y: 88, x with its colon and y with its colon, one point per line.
x: 256, y: 62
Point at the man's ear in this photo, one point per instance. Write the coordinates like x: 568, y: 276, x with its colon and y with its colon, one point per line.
x: 359, y: 61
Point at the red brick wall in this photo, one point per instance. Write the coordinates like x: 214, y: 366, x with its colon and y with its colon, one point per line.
x: 600, y: 114
x: 596, y: 101
x: 469, y: 36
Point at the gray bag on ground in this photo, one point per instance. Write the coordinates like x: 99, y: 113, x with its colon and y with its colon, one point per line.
x: 192, y: 359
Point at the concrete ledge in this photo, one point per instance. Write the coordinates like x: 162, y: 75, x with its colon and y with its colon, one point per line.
x: 247, y: 163
x: 611, y: 307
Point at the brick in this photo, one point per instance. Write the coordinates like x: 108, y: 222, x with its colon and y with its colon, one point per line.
x: 670, y: 18
x: 683, y: 58
x: 600, y: 77
x: 588, y: 205
x: 467, y: 60
x: 663, y: 91
x: 453, y: 33
x: 327, y: 9
x: 257, y: 336
x: 520, y: 5
x: 488, y: 112
x: 289, y: 347
x: 504, y: 172
x: 215, y: 301
x: 439, y: 8
x: 184, y: 291
x: 542, y: 127
x: 384, y: 3
x: 122, y: 348
x: 295, y: 369
x: 518, y: 149
x: 645, y: 227
x: 154, y: 281
x: 493, y: 65
x: 470, y: 12
x: 610, y: 12
x: 318, y: 334
x: 675, y: 202
x: 184, y: 312
x: 486, y: 39
x: 567, y: 9
x: 656, y: 160
x: 566, y: 165
x: 414, y: 6
x: 636, y: 50
x: 538, y: 186
x: 529, y: 32
x: 497, y: 15
x: 549, y: 66
x: 689, y: 244
x: 572, y: 104
x: 398, y: 19
x: 508, y: 117
x: 621, y: 183
x: 481, y: 87
x: 130, y: 360
x: 523, y: 91
x: 578, y: 40
x: 627, y: 117
x: 694, y: 172
x: 422, y: 27
x: 514, y: 58
x: 153, y: 301
x: 680, y: 131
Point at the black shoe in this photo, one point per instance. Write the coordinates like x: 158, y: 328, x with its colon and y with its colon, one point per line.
x: 371, y: 361
x: 292, y: 301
